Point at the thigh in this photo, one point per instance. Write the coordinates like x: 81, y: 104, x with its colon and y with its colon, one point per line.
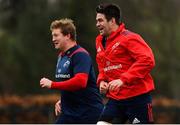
x: 141, y: 113
x: 86, y: 119
x: 92, y: 116
x: 64, y: 119
x: 61, y: 119
x: 113, y: 113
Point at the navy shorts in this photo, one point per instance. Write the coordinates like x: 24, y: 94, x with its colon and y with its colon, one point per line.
x: 136, y: 110
x: 63, y: 119
x: 90, y: 117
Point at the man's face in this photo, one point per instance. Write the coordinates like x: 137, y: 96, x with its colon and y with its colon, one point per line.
x: 58, y: 39
x: 102, y: 24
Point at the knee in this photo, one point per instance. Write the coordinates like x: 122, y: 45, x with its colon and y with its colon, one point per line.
x: 103, y: 123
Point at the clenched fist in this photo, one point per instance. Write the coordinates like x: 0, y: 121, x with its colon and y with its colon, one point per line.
x: 103, y: 87
x: 45, y: 83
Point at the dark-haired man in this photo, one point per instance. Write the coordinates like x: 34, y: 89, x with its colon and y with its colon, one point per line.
x: 124, y: 62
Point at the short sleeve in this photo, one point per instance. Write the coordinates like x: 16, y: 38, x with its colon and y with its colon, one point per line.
x: 81, y: 63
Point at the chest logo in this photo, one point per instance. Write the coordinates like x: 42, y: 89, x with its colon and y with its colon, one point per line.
x: 113, y: 67
x: 59, y: 70
x: 66, y: 64
x: 115, y: 45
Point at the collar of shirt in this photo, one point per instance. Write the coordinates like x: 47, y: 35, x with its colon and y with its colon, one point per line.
x: 71, y: 50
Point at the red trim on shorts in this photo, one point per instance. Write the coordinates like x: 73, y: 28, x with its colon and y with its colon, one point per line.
x: 150, y: 114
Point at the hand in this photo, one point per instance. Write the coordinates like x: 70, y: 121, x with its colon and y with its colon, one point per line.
x: 45, y: 83
x: 115, y: 84
x: 58, y: 108
x: 103, y: 87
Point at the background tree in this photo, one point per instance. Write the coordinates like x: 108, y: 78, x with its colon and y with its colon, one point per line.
x: 27, y: 54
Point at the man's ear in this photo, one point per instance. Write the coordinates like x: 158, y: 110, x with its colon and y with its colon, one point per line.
x: 113, y: 20
x: 68, y: 36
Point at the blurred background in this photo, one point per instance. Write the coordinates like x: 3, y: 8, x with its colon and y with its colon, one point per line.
x: 27, y: 53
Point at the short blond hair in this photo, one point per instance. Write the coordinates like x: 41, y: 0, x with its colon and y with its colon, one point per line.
x: 66, y: 25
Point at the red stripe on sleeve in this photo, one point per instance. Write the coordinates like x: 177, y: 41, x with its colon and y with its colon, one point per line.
x: 79, y: 81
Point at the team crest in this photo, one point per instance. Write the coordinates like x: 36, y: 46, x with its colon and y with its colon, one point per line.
x: 59, y: 70
x: 66, y: 64
x: 107, y: 63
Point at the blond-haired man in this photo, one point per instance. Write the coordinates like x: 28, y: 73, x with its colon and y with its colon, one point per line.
x: 80, y: 100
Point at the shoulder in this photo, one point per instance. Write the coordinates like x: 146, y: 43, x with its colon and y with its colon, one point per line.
x: 127, y: 37
x: 130, y: 35
x: 81, y: 58
x: 99, y: 38
x: 79, y: 50
x: 98, y: 41
x: 80, y: 53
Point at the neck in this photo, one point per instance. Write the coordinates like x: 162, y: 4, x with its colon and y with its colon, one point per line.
x: 114, y: 28
x: 70, y: 45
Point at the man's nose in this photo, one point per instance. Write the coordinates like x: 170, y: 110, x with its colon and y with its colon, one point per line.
x: 53, y: 39
x: 97, y: 24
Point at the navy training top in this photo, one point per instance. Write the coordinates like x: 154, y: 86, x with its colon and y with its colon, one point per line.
x: 84, y: 102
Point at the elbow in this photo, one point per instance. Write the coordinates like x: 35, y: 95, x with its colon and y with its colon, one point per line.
x: 152, y: 63
x: 83, y: 82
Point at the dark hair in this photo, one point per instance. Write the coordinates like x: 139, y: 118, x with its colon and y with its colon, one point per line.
x: 110, y: 11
